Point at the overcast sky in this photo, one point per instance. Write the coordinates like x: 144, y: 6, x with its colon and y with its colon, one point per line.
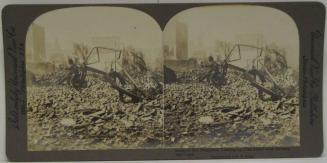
x: 206, y: 25
x: 81, y: 24
x: 237, y: 23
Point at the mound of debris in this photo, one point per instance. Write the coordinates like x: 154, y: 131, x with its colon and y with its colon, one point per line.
x: 200, y: 115
x: 186, y: 114
x: 63, y: 118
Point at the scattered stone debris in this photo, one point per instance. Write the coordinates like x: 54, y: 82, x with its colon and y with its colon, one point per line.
x: 206, y: 120
x: 68, y: 122
x: 187, y: 114
x: 64, y: 118
x: 198, y: 114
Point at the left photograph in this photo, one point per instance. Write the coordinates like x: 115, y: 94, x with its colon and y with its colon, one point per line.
x: 94, y: 80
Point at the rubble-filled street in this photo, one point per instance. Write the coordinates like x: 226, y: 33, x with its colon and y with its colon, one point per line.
x: 202, y: 116
x: 189, y: 114
x: 63, y: 118
x: 189, y: 82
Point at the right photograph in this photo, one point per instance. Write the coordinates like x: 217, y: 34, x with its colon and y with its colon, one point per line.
x: 231, y: 77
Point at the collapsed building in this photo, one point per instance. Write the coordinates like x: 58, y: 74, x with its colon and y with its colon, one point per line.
x: 127, y: 106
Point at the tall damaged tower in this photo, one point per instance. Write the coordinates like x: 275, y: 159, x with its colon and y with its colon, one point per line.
x: 36, y: 39
x: 181, y: 41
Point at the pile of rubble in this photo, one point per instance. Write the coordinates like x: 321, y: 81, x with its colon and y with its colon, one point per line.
x: 63, y: 118
x: 52, y: 78
x: 187, y: 114
x: 199, y: 115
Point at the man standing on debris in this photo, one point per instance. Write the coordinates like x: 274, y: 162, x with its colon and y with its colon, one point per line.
x: 76, y: 75
x: 214, y: 70
x: 213, y: 75
x: 72, y: 69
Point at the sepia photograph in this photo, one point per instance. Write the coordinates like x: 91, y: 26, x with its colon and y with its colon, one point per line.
x: 110, y: 78
x: 94, y: 80
x: 231, y: 78
x: 143, y: 81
